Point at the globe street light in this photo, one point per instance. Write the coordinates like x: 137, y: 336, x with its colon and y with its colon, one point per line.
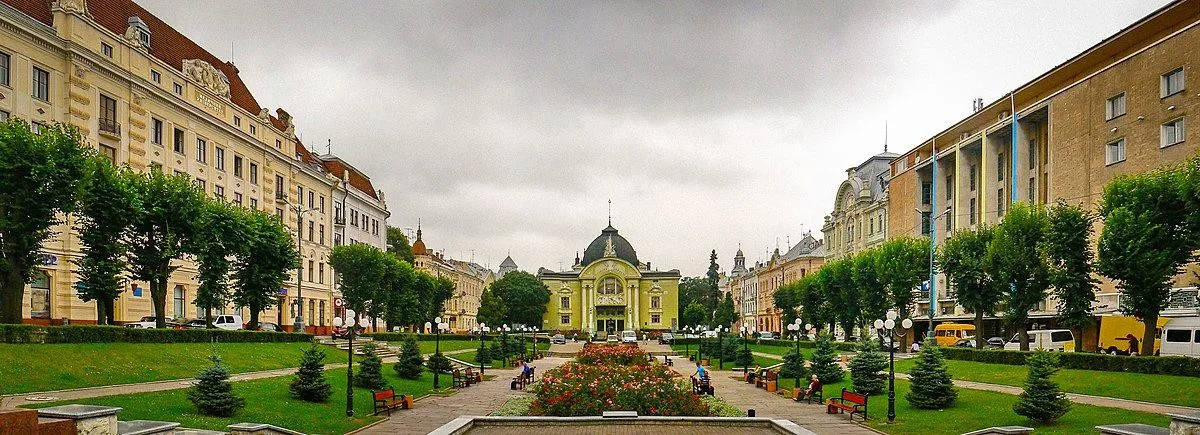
x: 437, y: 345
x: 745, y: 347
x: 483, y: 330
x: 700, y: 342
x: 350, y: 322
x: 795, y: 327
x: 504, y: 343
x: 889, y: 326
x: 721, y: 347
x: 687, y: 330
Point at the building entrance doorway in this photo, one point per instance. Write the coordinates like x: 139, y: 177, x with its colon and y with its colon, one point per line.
x: 611, y: 326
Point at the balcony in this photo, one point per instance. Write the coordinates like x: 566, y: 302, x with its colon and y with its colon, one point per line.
x: 280, y: 196
x: 110, y: 127
x: 339, y: 220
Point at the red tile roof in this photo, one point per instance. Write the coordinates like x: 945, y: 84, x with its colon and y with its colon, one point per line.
x: 357, y: 179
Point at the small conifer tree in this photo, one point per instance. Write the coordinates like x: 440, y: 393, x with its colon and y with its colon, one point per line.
x: 793, y: 366
x: 865, y: 368
x: 1042, y: 400
x: 310, y: 384
x: 496, y: 352
x: 439, y: 363
x: 931, y: 386
x: 824, y: 361
x: 410, y: 364
x: 483, y: 355
x: 370, y: 370
x: 213, y: 394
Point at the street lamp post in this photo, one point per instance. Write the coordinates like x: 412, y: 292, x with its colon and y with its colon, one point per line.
x: 795, y: 327
x: 889, y: 326
x: 298, y: 325
x: 350, y: 322
x: 745, y: 347
x: 483, y: 330
x: 700, y: 343
x: 504, y: 343
x: 687, y: 330
x: 721, y: 347
x: 437, y: 343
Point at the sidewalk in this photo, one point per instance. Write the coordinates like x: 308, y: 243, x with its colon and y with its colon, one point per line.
x: 1108, y: 402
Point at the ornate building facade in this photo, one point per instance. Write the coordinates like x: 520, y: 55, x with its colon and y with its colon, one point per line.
x: 801, y: 259
x: 470, y: 279
x: 610, y: 290
x: 859, y: 218
x: 144, y: 95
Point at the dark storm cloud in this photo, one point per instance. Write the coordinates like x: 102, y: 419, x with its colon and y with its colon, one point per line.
x: 506, y: 126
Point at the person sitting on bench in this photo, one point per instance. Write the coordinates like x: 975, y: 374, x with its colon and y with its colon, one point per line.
x: 755, y: 374
x: 813, y: 386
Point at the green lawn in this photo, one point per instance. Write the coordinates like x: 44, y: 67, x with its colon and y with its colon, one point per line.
x: 65, y: 366
x: 267, y: 401
x: 1175, y: 390
x: 445, y: 345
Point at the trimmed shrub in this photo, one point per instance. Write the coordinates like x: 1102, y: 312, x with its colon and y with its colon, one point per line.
x: 1154, y: 365
x: 400, y: 336
x: 824, y: 362
x: 865, y: 368
x: 34, y: 334
x: 310, y: 384
x: 804, y: 344
x: 409, y: 364
x: 213, y: 393
x: 577, y: 389
x: 618, y: 355
x: 1042, y: 400
x: 931, y: 387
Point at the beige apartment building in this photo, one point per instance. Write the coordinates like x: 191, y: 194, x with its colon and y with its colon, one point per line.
x: 470, y: 279
x: 1122, y: 106
x: 147, y: 96
x: 801, y: 259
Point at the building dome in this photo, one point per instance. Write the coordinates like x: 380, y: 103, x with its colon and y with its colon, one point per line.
x: 620, y: 248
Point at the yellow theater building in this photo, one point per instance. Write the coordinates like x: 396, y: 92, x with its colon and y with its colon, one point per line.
x: 609, y: 291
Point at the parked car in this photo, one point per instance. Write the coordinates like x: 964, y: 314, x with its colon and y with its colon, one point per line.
x: 268, y: 326
x: 559, y: 339
x: 1046, y: 339
x: 628, y: 336
x: 950, y: 333
x: 995, y: 342
x: 195, y: 324
x: 666, y: 338
x: 1182, y: 337
x: 966, y: 342
x: 709, y: 334
x: 222, y: 321
x: 148, y: 322
x: 612, y: 338
x: 767, y: 336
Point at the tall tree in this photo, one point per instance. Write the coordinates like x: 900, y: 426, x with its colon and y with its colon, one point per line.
x: 813, y: 307
x: 725, y: 314
x: 443, y: 290
x: 363, y: 273
x: 105, y: 204
x: 160, y: 231
x: 786, y: 300
x: 1146, y: 240
x: 491, y: 309
x: 525, y: 297
x: 694, y: 315
x: 874, y: 297
x: 842, y: 294
x: 400, y: 293
x: 397, y: 243
x: 713, y: 295
x: 1069, y: 250
x: 902, y: 264
x: 963, y: 258
x: 263, y: 263
x: 1018, y: 259
x: 213, y: 248
x: 693, y: 289
x: 40, y: 175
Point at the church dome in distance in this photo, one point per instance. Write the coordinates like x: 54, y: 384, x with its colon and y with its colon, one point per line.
x: 620, y: 247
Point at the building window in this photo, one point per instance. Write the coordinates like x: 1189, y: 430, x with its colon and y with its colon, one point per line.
x: 106, y: 49
x: 974, y: 174
x: 312, y: 311
x: 655, y: 319
x: 310, y: 270
x: 1115, y: 151
x: 201, y: 185
x: 180, y: 303
x: 1000, y: 167
x: 178, y: 141
x: 237, y: 198
x: 337, y: 239
x: 108, y: 115
x: 1000, y: 202
x: 155, y: 76
x: 354, y: 218
x: 178, y: 89
x: 1032, y: 188
x: 926, y: 193
x: 564, y: 302
x: 237, y: 166
x: 219, y: 191
x: 41, y: 84
x: 201, y: 150
x: 925, y: 223
x: 322, y: 203
x: 5, y: 63
x: 949, y: 187
x: 321, y: 232
x: 655, y: 302
x: 108, y: 152
x: 254, y: 203
x: 253, y: 173
x: 1114, y: 107
x: 1173, y: 133
x: 312, y: 203
x: 1172, y: 82
x: 564, y: 319
x: 311, y: 224
x: 4, y: 115
x: 278, y: 144
x: 279, y: 213
x: 237, y: 121
x: 219, y: 154
x: 253, y: 129
x: 279, y: 190
x: 1033, y: 154
x: 156, y: 131
x: 299, y: 196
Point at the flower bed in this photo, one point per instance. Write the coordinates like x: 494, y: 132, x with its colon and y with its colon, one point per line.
x: 575, y: 389
x: 616, y: 355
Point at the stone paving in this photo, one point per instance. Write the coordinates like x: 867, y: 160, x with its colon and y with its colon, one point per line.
x: 481, y: 399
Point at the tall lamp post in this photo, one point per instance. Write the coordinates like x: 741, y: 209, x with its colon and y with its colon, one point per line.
x: 889, y: 326
x: 298, y: 326
x: 350, y: 322
x: 483, y: 330
x: 746, y: 333
x: 795, y: 327
x: 437, y: 343
x: 687, y: 330
x: 721, y: 347
x: 504, y: 343
x: 700, y: 342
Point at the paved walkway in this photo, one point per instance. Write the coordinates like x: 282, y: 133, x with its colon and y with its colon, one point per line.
x: 1109, y: 402
x: 432, y: 412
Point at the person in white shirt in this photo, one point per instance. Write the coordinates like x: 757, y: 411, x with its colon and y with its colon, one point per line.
x: 916, y: 347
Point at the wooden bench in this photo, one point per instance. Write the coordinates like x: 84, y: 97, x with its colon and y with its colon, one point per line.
x: 850, y: 402
x: 520, y: 381
x: 702, y: 386
x: 768, y: 376
x: 818, y: 395
x: 473, y: 377
x: 387, y: 400
x: 460, y: 379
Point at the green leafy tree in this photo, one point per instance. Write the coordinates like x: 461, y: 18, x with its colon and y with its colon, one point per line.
x: 964, y: 260
x: 1042, y: 400
x: 725, y: 315
x: 837, y: 282
x: 443, y: 290
x: 525, y: 297
x: 694, y: 315
x: 824, y: 361
x: 813, y: 306
x: 483, y: 355
x: 930, y: 383
x: 1146, y: 240
x: 491, y: 308
x: 693, y: 289
x: 213, y: 393
x: 1069, y: 250
x: 370, y: 370
x: 362, y: 270
x: 399, y: 292
x: 866, y: 368
x: 309, y: 384
x: 902, y: 264
x: 397, y: 243
x: 1018, y: 259
x: 224, y: 233
x: 161, y: 231
x: 263, y: 263
x: 105, y: 205
x: 410, y: 364
x: 40, y: 178
x: 786, y: 300
x: 873, y: 296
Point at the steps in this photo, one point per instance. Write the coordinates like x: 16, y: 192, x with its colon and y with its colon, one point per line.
x: 382, y: 348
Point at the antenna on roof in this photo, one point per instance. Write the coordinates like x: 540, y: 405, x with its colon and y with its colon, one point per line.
x: 328, y: 146
x: 610, y: 212
x: 885, y: 132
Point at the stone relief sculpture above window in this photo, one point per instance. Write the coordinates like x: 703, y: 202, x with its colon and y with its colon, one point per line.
x: 207, y: 75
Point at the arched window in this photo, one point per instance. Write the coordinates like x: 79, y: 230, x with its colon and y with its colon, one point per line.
x: 39, y: 296
x: 180, y: 308
x: 610, y: 287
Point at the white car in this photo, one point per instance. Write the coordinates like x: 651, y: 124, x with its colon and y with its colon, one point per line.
x: 148, y: 322
x: 767, y: 336
x: 222, y: 321
x: 628, y: 336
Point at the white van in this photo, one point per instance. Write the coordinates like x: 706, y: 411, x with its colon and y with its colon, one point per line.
x: 1181, y: 337
x: 227, y: 321
x: 1059, y: 340
x: 628, y: 336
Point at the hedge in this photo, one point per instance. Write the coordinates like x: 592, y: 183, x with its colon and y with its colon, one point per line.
x: 25, y: 334
x: 401, y: 336
x: 1154, y: 365
x: 805, y: 344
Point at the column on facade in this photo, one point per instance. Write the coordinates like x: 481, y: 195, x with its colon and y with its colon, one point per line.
x: 637, y: 307
x: 588, y: 315
x: 628, y: 304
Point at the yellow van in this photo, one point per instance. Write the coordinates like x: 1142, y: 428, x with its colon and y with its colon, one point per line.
x: 1116, y: 329
x: 947, y: 334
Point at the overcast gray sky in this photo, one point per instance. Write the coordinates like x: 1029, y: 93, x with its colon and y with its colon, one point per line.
x: 507, y: 125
